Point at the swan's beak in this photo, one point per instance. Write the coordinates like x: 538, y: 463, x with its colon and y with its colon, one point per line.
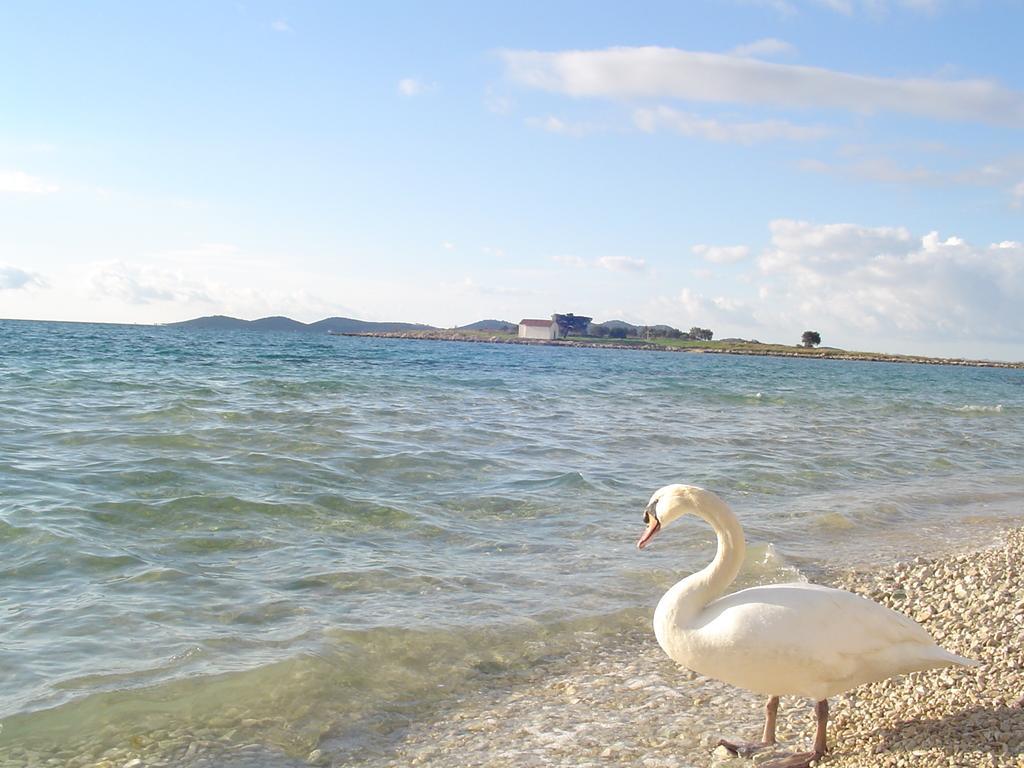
x: 653, y: 526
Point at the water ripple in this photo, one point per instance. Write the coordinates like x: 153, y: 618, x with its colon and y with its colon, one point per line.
x: 319, y: 526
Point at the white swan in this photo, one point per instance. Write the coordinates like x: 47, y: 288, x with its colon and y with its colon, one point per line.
x: 779, y: 639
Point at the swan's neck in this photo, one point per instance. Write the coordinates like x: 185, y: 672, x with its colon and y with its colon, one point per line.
x: 686, y: 599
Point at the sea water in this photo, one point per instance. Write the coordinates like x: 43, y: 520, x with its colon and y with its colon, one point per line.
x: 283, y: 547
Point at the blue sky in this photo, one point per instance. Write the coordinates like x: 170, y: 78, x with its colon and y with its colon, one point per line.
x: 757, y: 167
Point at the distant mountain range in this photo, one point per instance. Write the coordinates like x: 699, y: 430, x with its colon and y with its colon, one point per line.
x: 350, y: 325
x: 335, y: 324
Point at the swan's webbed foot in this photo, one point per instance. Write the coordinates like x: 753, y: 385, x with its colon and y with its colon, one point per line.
x: 745, y: 748
x: 751, y: 748
x: 800, y: 760
x: 804, y: 759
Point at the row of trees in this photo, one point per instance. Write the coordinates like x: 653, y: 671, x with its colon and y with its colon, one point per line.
x: 651, y: 332
x: 580, y: 325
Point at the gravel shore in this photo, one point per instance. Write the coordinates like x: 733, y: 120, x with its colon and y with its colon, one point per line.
x: 629, y: 705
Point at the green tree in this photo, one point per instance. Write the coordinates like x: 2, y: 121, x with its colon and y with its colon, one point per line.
x: 701, y: 334
x: 810, y: 339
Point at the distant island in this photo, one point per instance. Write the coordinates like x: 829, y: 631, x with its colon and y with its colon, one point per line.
x: 614, y: 334
x: 279, y: 323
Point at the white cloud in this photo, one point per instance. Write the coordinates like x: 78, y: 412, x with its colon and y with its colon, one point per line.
x: 685, y: 124
x: 765, y: 47
x: 658, y: 73
x: 448, y: 245
x: 280, y: 25
x: 702, y: 310
x: 144, y: 284
x: 610, y: 263
x: 721, y: 254
x: 13, y: 279
x: 830, y: 247
x: 882, y: 280
x: 411, y: 86
x: 21, y: 183
x: 622, y: 264
x: 994, y: 173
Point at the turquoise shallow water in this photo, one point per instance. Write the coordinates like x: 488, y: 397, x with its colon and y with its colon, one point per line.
x: 316, y: 532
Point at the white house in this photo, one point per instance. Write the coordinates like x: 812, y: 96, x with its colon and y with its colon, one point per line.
x: 538, y: 329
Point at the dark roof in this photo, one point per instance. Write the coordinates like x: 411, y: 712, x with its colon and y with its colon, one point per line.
x: 536, y: 323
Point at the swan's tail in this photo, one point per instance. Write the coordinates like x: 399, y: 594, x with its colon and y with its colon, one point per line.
x: 940, y: 657
x: 962, y: 661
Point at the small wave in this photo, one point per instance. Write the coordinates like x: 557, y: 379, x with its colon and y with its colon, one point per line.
x: 834, y: 521
x: 981, y: 408
x: 764, y: 564
x: 569, y: 480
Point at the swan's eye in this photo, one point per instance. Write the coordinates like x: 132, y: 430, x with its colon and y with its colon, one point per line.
x: 650, y: 513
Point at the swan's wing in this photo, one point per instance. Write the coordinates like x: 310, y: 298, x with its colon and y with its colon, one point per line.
x: 807, y: 639
x: 809, y: 614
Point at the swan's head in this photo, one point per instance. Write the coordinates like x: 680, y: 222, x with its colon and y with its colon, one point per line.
x: 666, y: 505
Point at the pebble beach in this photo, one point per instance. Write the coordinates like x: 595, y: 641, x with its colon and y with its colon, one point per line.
x: 629, y: 705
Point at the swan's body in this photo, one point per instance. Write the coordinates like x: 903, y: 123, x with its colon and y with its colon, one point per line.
x: 780, y: 639
x: 797, y: 639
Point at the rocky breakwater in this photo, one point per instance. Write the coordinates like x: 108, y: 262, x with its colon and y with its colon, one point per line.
x: 772, y: 351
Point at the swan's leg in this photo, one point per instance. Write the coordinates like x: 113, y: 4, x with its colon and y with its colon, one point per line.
x: 804, y: 759
x: 821, y: 715
x: 747, y: 748
x: 771, y: 710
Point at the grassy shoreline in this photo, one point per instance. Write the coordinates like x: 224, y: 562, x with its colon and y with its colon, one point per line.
x: 695, y: 347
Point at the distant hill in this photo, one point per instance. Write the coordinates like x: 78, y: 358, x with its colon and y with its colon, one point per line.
x: 490, y: 325
x: 278, y: 323
x: 215, y: 322
x: 348, y: 325
x: 612, y: 325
